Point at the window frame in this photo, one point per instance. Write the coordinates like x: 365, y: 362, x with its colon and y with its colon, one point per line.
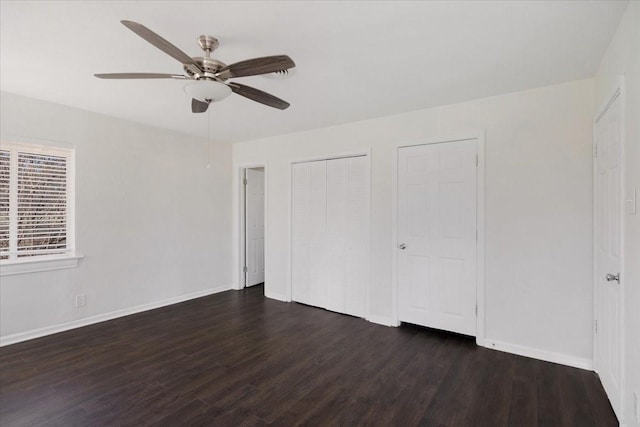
x: 44, y: 262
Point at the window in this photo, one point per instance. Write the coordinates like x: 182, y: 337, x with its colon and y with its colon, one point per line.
x: 36, y: 202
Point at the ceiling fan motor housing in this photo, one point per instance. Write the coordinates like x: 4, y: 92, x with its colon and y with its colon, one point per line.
x: 208, y: 68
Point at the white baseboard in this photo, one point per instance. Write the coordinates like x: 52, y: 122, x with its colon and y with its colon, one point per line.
x: 381, y: 320
x: 548, y: 356
x: 49, y: 330
x: 276, y: 296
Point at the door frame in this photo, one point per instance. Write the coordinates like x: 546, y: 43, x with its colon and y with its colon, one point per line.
x: 332, y: 156
x: 239, y: 222
x: 480, y: 224
x: 618, y: 91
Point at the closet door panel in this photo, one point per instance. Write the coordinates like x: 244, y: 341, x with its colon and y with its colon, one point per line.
x: 337, y: 235
x: 317, y: 235
x: 357, y: 235
x: 301, y: 227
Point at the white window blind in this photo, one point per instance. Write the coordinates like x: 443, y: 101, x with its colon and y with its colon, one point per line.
x: 35, y: 201
x: 4, y: 204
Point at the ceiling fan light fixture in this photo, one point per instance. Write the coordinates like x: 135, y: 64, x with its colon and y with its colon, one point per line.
x: 209, y: 73
x: 207, y: 90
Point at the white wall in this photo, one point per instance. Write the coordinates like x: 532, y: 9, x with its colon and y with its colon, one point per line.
x: 538, y: 208
x: 623, y: 57
x: 152, y: 222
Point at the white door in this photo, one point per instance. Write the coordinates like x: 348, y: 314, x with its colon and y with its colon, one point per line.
x: 309, y: 230
x: 608, y: 246
x: 254, y: 222
x: 437, y: 235
x: 347, y: 271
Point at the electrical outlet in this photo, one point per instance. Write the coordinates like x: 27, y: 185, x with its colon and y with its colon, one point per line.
x: 81, y: 300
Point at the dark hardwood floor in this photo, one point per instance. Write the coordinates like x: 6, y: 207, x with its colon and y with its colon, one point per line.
x: 237, y: 358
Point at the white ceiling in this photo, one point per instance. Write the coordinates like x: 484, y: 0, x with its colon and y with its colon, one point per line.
x: 355, y: 60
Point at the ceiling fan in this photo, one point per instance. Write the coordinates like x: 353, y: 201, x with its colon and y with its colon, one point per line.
x: 209, y: 75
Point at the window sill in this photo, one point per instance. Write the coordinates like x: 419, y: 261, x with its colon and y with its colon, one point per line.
x: 10, y: 268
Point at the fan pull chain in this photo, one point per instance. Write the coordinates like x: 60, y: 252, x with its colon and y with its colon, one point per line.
x: 208, y: 139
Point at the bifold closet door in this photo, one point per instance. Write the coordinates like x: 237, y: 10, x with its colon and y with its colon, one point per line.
x: 330, y: 234
x: 347, y: 235
x: 309, y: 242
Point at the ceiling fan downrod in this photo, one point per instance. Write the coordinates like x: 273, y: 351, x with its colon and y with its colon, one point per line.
x: 208, y: 44
x: 206, y: 67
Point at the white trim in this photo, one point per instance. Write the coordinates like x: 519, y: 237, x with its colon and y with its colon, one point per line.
x: 333, y: 156
x: 48, y: 143
x: 238, y: 222
x: 623, y: 217
x: 548, y: 356
x: 480, y: 244
x: 276, y: 296
x: 369, y: 285
x: 394, y: 237
x: 381, y: 320
x: 594, y: 269
x: 289, y: 289
x: 38, y: 146
x: 38, y: 264
x: 480, y: 222
x: 366, y: 152
x: 13, y: 202
x: 71, y: 202
x: 49, y: 330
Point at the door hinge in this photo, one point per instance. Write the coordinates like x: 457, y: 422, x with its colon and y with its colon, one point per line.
x: 595, y: 326
x: 244, y: 181
x: 476, y: 160
x: 244, y: 269
x: 595, y: 151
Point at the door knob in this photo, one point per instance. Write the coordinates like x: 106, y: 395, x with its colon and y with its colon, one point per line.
x: 402, y: 246
x: 612, y: 277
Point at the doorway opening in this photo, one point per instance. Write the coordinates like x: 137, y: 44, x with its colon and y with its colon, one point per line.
x: 252, y: 229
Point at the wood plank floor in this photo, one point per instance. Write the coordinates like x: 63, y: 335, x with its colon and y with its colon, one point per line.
x: 237, y: 358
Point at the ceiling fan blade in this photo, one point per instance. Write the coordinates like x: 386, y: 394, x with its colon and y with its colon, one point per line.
x: 159, y: 42
x: 198, y: 106
x: 139, y: 76
x: 258, y: 96
x: 255, y: 66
